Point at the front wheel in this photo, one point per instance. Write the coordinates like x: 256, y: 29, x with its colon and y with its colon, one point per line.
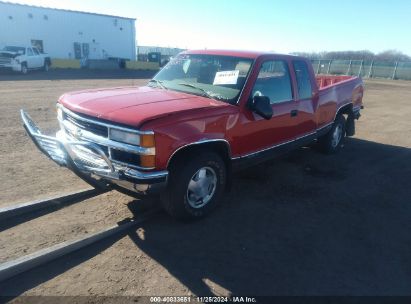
x: 333, y: 141
x: 24, y: 70
x: 195, y: 186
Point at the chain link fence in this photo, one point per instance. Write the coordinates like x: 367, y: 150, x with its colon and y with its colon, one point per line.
x: 363, y: 68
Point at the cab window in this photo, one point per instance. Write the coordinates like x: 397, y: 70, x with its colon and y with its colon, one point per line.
x: 29, y: 52
x: 303, y: 79
x: 274, y: 82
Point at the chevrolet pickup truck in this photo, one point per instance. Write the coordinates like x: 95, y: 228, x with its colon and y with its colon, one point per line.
x: 204, y: 115
x: 23, y: 59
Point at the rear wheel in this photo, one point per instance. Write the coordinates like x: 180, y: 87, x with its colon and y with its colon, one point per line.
x: 333, y: 141
x: 195, y: 186
x: 46, y: 66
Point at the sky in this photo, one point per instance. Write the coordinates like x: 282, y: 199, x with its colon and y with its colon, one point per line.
x: 265, y: 25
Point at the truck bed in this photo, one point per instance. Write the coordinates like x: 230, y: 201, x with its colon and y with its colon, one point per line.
x: 325, y: 81
x: 336, y: 92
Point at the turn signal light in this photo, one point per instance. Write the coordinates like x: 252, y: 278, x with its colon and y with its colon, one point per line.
x: 147, y: 140
x: 148, y: 161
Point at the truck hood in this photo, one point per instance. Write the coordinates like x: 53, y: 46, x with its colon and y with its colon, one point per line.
x: 8, y: 54
x: 133, y: 106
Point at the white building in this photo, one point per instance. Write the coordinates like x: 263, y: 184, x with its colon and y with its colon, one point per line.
x: 67, y: 34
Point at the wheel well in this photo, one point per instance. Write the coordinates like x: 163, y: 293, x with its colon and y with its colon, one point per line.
x: 219, y: 147
x: 347, y: 109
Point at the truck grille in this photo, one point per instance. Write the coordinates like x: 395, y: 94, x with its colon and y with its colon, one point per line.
x: 5, y: 60
x: 84, y: 125
x: 122, y: 157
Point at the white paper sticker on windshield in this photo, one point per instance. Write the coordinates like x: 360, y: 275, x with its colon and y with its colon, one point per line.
x: 226, y: 77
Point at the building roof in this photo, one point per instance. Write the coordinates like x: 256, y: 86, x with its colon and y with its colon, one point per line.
x: 66, y: 10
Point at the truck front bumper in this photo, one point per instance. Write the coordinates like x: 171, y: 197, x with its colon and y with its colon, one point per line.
x: 10, y: 67
x: 90, y: 163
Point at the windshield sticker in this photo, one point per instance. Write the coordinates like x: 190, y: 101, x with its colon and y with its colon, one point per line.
x: 226, y: 77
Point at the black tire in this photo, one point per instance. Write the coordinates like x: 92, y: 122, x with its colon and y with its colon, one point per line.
x: 178, y: 198
x: 46, y: 66
x: 24, y: 70
x: 333, y: 141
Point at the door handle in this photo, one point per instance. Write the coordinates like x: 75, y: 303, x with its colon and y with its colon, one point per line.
x: 294, y: 113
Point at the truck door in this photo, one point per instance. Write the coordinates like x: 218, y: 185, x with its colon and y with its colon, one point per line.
x: 31, y: 60
x: 258, y: 134
x: 38, y: 59
x: 306, y: 101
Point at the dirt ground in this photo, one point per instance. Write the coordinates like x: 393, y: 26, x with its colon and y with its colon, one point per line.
x: 305, y: 224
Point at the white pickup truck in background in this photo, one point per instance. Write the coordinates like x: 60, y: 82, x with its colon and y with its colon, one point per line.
x: 23, y: 59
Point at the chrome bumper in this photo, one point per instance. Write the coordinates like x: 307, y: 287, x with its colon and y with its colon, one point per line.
x: 10, y: 66
x: 88, y: 160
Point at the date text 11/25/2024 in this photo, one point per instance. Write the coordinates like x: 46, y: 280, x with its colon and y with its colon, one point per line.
x: 189, y: 299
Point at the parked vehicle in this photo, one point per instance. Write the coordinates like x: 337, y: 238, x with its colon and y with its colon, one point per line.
x: 23, y: 59
x: 202, y: 116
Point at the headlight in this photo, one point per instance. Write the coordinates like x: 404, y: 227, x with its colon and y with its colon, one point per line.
x: 125, y: 137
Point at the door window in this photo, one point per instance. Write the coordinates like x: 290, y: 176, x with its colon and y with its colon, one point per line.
x: 274, y: 82
x: 29, y: 52
x: 36, y: 52
x: 303, y: 79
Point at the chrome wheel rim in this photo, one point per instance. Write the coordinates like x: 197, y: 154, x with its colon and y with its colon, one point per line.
x: 201, y: 187
x: 337, y: 135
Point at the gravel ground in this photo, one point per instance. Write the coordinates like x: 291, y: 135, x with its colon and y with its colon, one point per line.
x: 305, y: 224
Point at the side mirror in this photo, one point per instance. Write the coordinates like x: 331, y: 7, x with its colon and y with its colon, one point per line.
x: 261, y: 106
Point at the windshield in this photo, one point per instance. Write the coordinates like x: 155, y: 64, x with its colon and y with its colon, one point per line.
x: 217, y: 77
x: 15, y: 49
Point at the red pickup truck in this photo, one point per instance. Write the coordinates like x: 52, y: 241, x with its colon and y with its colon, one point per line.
x: 205, y: 114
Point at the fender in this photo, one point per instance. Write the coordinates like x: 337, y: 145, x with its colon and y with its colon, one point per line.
x: 200, y: 142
